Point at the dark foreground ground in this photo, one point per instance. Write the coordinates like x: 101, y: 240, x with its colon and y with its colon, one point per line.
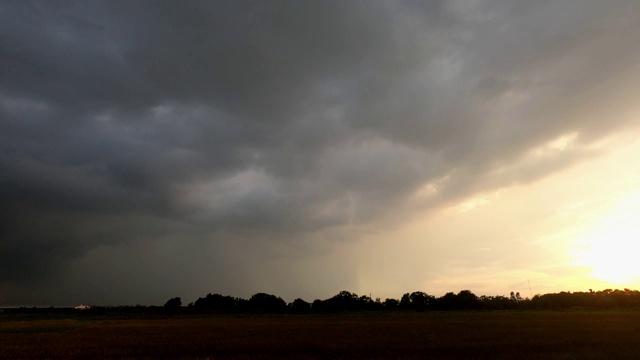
x: 473, y: 335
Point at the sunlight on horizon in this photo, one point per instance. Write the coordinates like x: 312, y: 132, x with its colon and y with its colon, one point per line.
x: 574, y: 230
x: 610, y: 246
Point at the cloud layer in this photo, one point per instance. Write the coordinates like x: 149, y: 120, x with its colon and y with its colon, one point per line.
x: 229, y: 145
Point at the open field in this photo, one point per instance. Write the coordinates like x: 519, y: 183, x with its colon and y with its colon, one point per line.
x: 471, y: 335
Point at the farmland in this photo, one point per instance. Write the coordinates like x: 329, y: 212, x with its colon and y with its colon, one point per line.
x: 459, y: 335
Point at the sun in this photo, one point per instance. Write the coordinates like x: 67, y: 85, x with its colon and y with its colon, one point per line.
x: 611, y: 246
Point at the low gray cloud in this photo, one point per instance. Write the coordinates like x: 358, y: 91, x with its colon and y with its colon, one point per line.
x: 200, y: 125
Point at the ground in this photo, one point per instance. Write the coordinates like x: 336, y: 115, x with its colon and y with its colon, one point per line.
x: 438, y: 335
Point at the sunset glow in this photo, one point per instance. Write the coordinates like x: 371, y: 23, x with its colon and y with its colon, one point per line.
x: 611, y: 245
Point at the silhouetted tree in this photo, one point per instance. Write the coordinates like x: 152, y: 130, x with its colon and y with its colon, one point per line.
x: 466, y: 300
x: 391, y: 304
x: 344, y: 301
x: 217, y: 302
x: 421, y: 301
x: 446, y: 302
x: 318, y: 306
x: 496, y: 302
x: 347, y: 301
x: 267, y: 303
x: 242, y: 305
x: 173, y: 304
x: 299, y: 306
x: 593, y: 299
x: 405, y: 301
x: 417, y: 300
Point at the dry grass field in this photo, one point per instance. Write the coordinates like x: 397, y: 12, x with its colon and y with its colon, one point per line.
x: 472, y: 335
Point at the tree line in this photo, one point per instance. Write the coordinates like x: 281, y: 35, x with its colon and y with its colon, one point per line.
x: 346, y: 301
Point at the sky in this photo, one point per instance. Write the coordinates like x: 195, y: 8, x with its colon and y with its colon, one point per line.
x: 153, y: 149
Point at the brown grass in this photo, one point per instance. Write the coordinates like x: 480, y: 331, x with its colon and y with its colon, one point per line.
x: 482, y: 335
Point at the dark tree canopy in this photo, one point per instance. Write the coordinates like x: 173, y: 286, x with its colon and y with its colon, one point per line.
x: 464, y: 300
x: 299, y: 306
x: 173, y: 303
x: 217, y: 302
x: 266, y: 303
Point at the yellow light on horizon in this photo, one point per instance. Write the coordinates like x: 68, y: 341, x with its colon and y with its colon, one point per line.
x: 610, y: 247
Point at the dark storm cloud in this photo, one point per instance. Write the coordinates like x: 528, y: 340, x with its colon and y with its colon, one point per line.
x: 125, y: 121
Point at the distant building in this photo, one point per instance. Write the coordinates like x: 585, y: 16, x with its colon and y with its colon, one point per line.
x: 82, y: 307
